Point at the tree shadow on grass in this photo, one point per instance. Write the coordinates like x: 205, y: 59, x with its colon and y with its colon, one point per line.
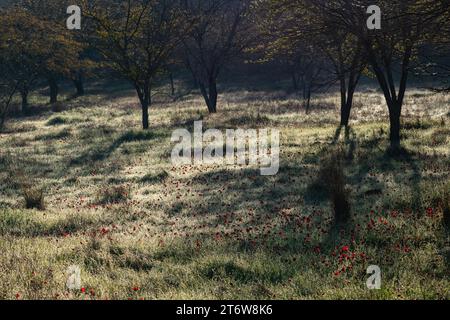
x: 101, y: 153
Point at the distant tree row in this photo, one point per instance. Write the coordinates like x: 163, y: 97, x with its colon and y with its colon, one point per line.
x: 320, y: 43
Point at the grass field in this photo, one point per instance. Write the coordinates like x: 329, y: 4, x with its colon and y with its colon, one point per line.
x: 140, y: 228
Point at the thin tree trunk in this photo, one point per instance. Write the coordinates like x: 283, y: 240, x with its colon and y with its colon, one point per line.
x: 7, y: 103
x: 213, y: 96
x: 79, y: 85
x: 345, y: 114
x: 3, y: 115
x: 24, y: 96
x: 210, y: 95
x: 195, y: 83
x: 308, y: 102
x: 347, y: 104
x: 144, y: 94
x: 294, y: 81
x: 2, y: 120
x: 205, y: 94
x: 172, y: 85
x: 307, y: 88
x: 53, y: 84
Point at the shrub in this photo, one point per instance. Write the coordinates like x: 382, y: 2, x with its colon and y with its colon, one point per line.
x: 439, y: 137
x: 56, y: 121
x: 34, y: 197
x: 113, y: 195
x: 332, y: 178
x: 155, y: 178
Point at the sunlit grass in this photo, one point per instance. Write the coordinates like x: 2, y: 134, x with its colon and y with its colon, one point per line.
x: 223, y: 232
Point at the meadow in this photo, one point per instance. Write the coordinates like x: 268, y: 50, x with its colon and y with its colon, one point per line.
x: 81, y: 184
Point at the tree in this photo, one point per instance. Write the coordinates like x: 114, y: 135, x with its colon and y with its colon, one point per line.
x: 65, y: 46
x: 406, y: 25
x: 219, y: 34
x: 22, y: 51
x: 136, y: 38
x: 8, y: 89
x: 308, y: 72
x: 35, y: 48
x: 297, y: 26
x: 307, y: 68
x: 346, y: 55
x: 434, y: 57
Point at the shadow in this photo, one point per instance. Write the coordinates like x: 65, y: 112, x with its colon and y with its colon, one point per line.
x: 337, y: 135
x: 101, y: 153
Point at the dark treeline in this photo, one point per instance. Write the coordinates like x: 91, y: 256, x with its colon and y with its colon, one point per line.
x: 316, y: 43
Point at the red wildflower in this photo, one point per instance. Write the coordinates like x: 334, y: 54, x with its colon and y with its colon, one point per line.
x: 345, y: 249
x: 83, y: 290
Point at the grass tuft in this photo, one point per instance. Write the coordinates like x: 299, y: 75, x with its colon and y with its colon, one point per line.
x: 113, y: 195
x: 333, y: 178
x: 34, y: 197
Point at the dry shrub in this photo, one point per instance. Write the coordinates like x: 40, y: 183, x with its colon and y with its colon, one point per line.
x: 333, y: 179
x: 34, y: 197
x: 31, y: 190
x: 113, y: 194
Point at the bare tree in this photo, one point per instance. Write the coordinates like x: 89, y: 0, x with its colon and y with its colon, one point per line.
x: 219, y: 34
x: 136, y: 37
x: 309, y: 72
x: 407, y: 24
x: 298, y: 30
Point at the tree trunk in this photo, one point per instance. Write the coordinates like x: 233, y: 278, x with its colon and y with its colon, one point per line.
x: 6, y: 104
x: 3, y: 116
x: 2, y: 120
x: 172, y: 85
x: 145, y: 122
x: 294, y: 81
x: 210, y: 95
x: 79, y: 85
x: 394, y: 118
x: 307, y: 97
x: 345, y: 114
x: 53, y: 84
x: 346, y: 106
x: 213, y: 96
x: 24, y: 96
x: 144, y: 94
